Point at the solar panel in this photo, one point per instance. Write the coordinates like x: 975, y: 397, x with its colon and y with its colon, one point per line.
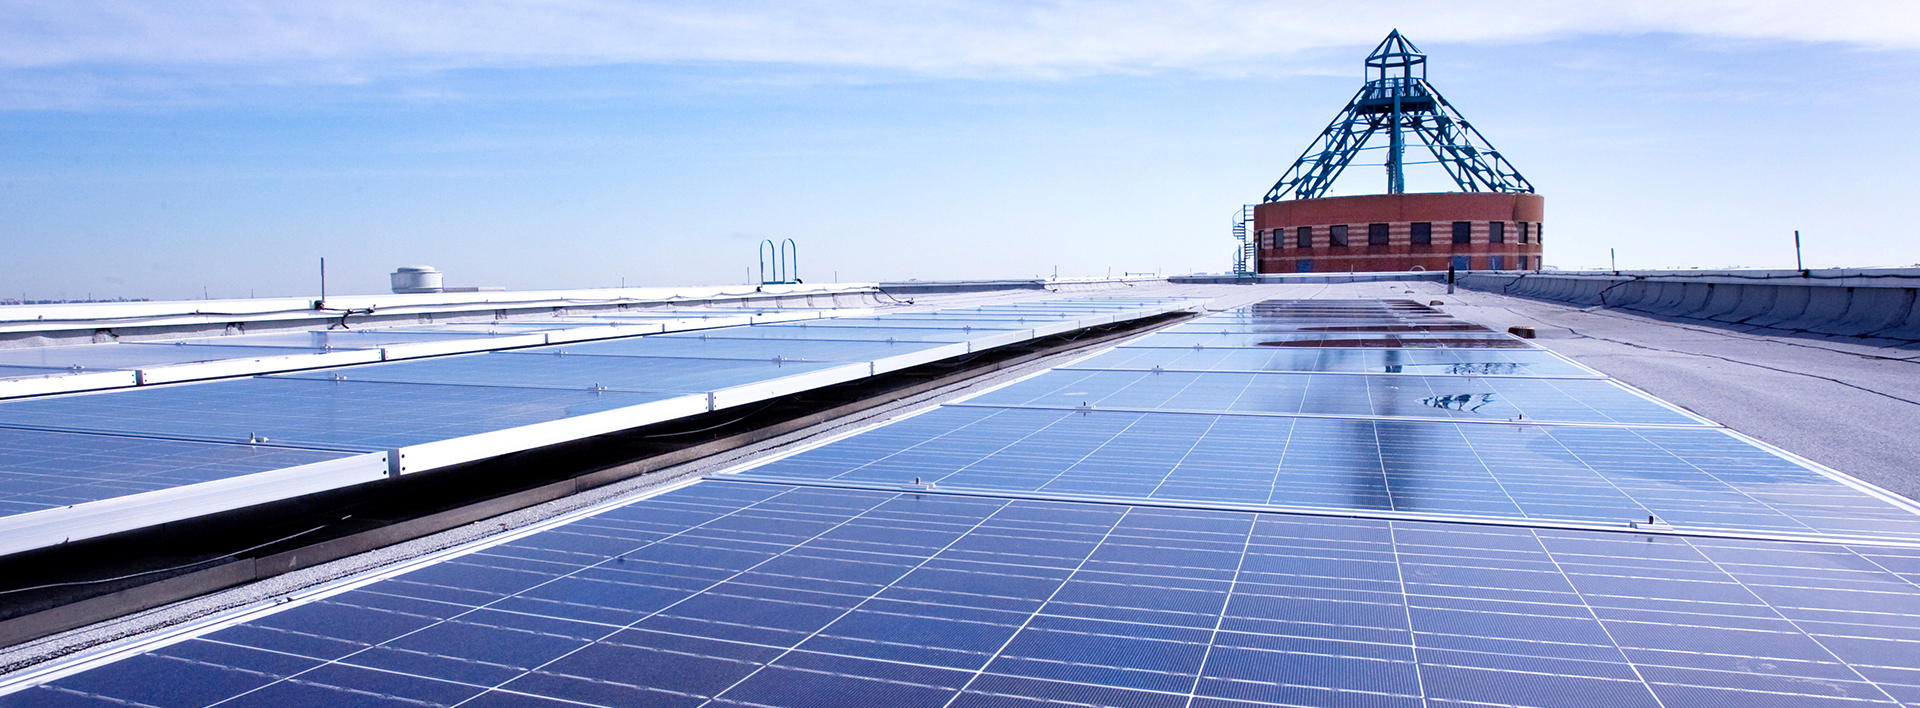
x: 784, y: 596
x: 134, y: 355
x: 1460, y: 340
x: 1280, y: 393
x: 1467, y: 362
x: 1703, y: 478
x: 22, y: 372
x: 1091, y: 555
x: 415, y: 415
x: 577, y: 373
x: 761, y: 350
x: 45, y: 469
x: 339, y: 415
x: 338, y: 339
x: 871, y: 334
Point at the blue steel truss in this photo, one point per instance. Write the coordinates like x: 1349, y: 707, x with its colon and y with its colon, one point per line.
x: 1397, y: 102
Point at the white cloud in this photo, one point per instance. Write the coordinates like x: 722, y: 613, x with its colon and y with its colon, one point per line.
x: 950, y: 37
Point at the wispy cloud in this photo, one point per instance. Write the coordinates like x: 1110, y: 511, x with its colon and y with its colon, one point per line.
x: 947, y: 37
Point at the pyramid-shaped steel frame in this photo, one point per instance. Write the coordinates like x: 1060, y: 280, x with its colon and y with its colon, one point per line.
x: 1396, y: 101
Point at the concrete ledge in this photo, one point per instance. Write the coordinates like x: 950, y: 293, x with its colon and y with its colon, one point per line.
x: 1871, y: 304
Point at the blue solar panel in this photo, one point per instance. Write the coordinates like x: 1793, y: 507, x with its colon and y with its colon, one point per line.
x: 768, y: 595
x: 1697, y: 478
x: 45, y: 469
x: 338, y: 339
x: 136, y: 355
x: 345, y: 415
x: 761, y: 350
x: 27, y: 372
x: 1460, y: 340
x: 760, y: 590
x: 1457, y: 397
x: 1464, y: 362
x: 554, y: 370
x: 871, y: 334
x: 945, y: 323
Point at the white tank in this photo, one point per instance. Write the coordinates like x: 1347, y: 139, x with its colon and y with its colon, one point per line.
x: 417, y: 279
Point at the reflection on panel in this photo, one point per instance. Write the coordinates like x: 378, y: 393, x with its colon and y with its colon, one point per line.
x: 1459, y: 397
x: 1458, y: 362
x: 1697, y: 478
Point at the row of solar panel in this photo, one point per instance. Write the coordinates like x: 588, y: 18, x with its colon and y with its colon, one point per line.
x: 140, y: 456
x: 759, y: 589
x: 1545, y: 440
x: 773, y: 595
x: 85, y: 367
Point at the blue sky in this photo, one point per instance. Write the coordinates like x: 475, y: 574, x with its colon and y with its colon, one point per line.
x: 148, y: 151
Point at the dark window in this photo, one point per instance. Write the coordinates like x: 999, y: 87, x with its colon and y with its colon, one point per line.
x: 1523, y: 259
x: 1499, y: 262
x: 1463, y: 232
x: 1337, y: 235
x: 1462, y: 263
x: 1422, y: 233
x: 1524, y: 228
x: 1303, y: 237
x: 1539, y: 233
x: 1496, y: 233
x: 1376, y: 234
x: 1303, y: 266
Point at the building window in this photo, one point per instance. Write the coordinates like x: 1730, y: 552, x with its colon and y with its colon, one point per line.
x: 1303, y: 237
x: 1376, y: 234
x: 1496, y: 233
x: 1523, y: 234
x: 1463, y: 232
x: 1337, y: 235
x: 1498, y: 262
x: 1539, y: 233
x: 1303, y: 266
x: 1523, y: 259
x: 1422, y: 233
x: 1462, y: 263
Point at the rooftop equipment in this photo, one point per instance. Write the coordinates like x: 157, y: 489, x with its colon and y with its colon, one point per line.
x: 417, y: 279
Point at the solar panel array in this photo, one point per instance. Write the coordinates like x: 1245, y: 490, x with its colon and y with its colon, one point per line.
x: 364, y: 423
x: 1091, y: 556
x: 33, y: 371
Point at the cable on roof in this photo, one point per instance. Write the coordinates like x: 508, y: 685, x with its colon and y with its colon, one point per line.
x: 155, y: 571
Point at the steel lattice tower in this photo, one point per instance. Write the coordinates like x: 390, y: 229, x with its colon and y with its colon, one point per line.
x: 1397, y: 102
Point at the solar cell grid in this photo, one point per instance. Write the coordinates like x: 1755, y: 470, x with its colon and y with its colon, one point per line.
x: 22, y: 372
x: 133, y: 355
x: 337, y: 339
x: 1464, y: 362
x: 694, y: 346
x: 1452, y: 397
x: 45, y: 470
x: 769, y: 595
x: 766, y: 593
x: 339, y: 415
x: 1695, y: 478
x: 871, y: 334
x: 1361, y: 340
x: 574, y: 373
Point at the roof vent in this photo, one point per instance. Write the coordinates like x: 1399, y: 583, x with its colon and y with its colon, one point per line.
x: 417, y: 279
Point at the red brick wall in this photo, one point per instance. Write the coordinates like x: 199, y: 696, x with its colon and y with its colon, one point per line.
x: 1399, y: 212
